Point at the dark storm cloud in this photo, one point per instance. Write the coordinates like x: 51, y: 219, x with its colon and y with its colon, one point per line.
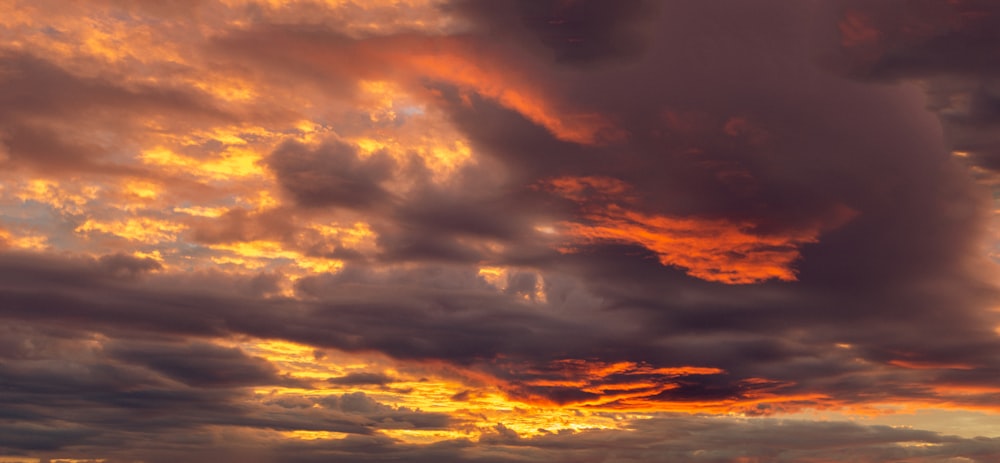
x: 362, y: 378
x: 576, y: 32
x: 333, y: 174
x: 905, y: 39
x: 747, y: 123
x: 436, y: 223
x: 949, y: 46
x: 730, y: 115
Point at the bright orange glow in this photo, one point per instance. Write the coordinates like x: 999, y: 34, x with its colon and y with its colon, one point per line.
x: 313, y: 435
x: 22, y: 241
x: 581, y: 127
x: 71, y: 198
x: 711, y: 249
x: 233, y: 163
x: 609, y: 385
x: 431, y: 388
x: 720, y: 250
x: 143, y: 190
x: 359, y: 236
x: 496, y: 276
x: 257, y: 254
x: 200, y: 211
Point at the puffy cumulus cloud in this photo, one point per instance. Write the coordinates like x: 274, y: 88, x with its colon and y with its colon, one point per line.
x: 495, y: 231
x: 332, y: 175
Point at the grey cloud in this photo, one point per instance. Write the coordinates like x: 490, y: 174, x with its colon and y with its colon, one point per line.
x: 128, y: 266
x: 333, y: 174
x: 385, y: 416
x: 948, y: 46
x: 71, y: 395
x: 201, y: 364
x: 576, y: 33
x: 362, y: 378
x: 678, y: 438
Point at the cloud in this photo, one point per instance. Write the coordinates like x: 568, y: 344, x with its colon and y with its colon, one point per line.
x: 677, y: 438
x: 200, y: 364
x: 331, y: 175
x: 67, y: 391
x: 525, y: 218
x: 48, y: 109
x: 362, y: 378
x: 575, y: 33
x: 948, y: 47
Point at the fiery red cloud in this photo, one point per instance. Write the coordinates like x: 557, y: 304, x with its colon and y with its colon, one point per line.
x: 718, y: 250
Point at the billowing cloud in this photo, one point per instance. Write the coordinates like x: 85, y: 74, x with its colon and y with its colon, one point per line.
x: 480, y: 231
x: 332, y: 175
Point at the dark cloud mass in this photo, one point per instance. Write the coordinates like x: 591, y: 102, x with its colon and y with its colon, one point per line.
x: 735, y: 231
x: 331, y: 175
x: 576, y: 32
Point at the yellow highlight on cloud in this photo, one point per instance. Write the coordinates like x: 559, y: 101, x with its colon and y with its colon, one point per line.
x: 255, y: 254
x: 142, y: 189
x: 358, y: 237
x: 70, y: 200
x: 140, y: 229
x: 199, y: 211
x: 31, y: 242
x: 235, y: 162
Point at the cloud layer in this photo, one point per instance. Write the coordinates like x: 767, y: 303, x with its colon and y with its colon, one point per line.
x: 497, y: 231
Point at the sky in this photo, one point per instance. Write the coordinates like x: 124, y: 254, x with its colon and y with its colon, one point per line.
x: 499, y: 231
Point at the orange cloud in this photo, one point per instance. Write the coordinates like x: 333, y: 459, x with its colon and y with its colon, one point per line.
x: 406, y: 59
x: 497, y: 82
x: 713, y: 249
x: 598, y: 384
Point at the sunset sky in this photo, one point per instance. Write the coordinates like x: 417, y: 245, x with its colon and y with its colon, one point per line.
x: 499, y: 231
